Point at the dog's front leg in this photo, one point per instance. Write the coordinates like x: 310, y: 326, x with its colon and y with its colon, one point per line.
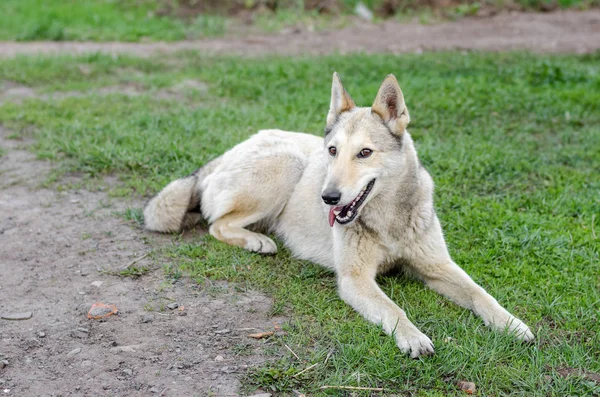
x: 356, y: 268
x: 432, y: 263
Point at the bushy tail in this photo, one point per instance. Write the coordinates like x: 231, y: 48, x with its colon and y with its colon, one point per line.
x: 177, y: 206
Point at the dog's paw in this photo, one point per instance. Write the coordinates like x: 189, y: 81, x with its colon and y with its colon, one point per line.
x: 414, y: 342
x: 261, y: 244
x: 520, y: 330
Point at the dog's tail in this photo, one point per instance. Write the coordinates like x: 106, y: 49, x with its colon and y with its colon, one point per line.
x: 177, y: 206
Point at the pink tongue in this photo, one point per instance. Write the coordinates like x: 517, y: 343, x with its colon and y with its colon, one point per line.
x: 332, y: 215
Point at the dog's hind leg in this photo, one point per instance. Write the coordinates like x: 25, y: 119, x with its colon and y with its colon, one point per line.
x: 230, y: 229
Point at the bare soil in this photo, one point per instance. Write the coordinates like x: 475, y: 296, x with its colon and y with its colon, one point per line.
x: 59, y: 253
x: 557, y: 32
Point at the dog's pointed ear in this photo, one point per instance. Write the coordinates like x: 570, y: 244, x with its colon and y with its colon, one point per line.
x: 340, y: 100
x: 389, y: 105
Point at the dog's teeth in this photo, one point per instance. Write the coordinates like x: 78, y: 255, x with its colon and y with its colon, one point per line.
x: 349, y: 214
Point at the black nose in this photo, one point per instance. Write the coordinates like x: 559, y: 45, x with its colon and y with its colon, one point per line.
x: 331, y: 196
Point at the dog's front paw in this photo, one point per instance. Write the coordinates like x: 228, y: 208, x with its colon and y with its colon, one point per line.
x: 520, y: 330
x: 414, y: 342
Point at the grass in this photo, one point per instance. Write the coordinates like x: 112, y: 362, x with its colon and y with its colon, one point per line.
x: 511, y: 140
x: 99, y: 20
x: 145, y: 20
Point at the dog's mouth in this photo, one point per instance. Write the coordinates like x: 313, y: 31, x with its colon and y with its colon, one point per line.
x: 347, y: 213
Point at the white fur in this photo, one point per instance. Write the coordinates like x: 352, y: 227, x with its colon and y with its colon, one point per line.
x: 273, y: 182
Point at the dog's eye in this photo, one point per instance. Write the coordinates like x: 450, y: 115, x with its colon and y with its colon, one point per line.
x: 332, y: 150
x: 364, y: 153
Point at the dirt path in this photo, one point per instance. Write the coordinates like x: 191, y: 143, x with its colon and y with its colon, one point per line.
x: 57, y: 251
x: 558, y: 32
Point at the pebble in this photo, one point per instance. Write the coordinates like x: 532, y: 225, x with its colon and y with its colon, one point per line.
x: 223, y: 331
x: 74, y: 352
x: 16, y: 316
x: 97, y: 284
x: 100, y: 311
x: 147, y: 318
x: 42, y: 334
x: 3, y: 364
x: 173, y: 305
x: 219, y: 358
x: 155, y: 389
x: 125, y: 349
x: 127, y: 372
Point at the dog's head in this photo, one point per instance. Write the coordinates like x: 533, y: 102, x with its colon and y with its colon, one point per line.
x: 364, y: 146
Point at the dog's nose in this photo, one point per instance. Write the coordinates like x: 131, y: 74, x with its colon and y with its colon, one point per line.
x: 331, y: 196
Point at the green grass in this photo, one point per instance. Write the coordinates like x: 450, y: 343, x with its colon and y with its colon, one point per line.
x: 99, y: 20
x: 511, y: 140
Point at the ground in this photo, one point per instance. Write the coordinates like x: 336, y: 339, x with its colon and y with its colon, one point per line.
x: 63, y: 251
x: 71, y: 243
x: 558, y: 32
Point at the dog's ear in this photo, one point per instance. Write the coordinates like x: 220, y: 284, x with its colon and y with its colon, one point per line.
x: 340, y: 100
x: 389, y: 105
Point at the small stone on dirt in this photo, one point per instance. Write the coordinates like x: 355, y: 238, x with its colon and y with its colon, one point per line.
x: 223, y: 331
x: 173, y: 305
x: 16, y: 316
x: 42, y: 334
x: 219, y: 358
x: 127, y: 372
x: 3, y: 363
x: 97, y: 284
x: 100, y: 310
x: 74, y: 352
x: 126, y: 349
x: 147, y: 318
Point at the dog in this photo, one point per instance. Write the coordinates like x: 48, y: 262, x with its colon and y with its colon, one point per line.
x: 357, y: 201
